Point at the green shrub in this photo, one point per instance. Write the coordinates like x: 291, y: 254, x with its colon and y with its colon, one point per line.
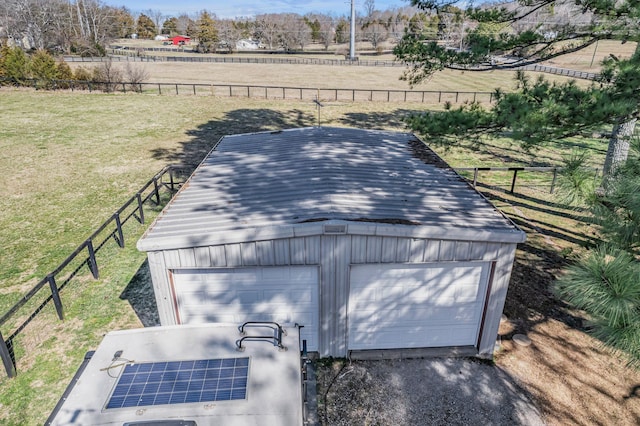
x: 43, y: 69
x: 14, y: 64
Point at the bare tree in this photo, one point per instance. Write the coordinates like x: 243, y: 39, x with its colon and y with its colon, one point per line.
x: 374, y: 29
x: 157, y: 17
x: 268, y: 28
x: 135, y: 75
x: 229, y: 33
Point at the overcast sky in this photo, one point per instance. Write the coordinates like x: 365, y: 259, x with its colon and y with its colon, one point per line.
x: 237, y: 8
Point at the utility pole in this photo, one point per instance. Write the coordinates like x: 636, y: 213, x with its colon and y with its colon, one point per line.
x: 352, y: 41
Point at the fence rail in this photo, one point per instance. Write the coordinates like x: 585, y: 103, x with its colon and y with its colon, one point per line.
x: 167, y: 179
x: 119, y: 55
x: 265, y: 92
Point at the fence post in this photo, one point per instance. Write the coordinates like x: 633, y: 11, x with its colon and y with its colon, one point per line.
x: 553, y: 182
x: 177, y: 89
x: 93, y: 263
x: 120, y: 238
x: 140, y: 207
x: 513, y: 182
x: 55, y: 295
x: 194, y: 90
x: 7, y: 359
x: 171, y: 180
x: 156, y: 190
x: 475, y: 177
x: 159, y: 89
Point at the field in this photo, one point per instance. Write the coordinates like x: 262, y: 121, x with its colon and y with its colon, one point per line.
x: 69, y: 160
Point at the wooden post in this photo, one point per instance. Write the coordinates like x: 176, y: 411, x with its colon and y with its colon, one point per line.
x: 93, y: 263
x: 156, y: 190
x: 7, y: 359
x: 140, y: 207
x: 513, y: 182
x: 439, y: 97
x: 553, y: 182
x: 120, y: 237
x: 159, y: 89
x: 171, y: 183
x: 55, y: 295
x: 194, y: 90
x: 176, y: 89
x: 475, y: 177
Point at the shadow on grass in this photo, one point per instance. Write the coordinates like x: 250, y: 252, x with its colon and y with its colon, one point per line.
x: 203, y: 138
x: 139, y: 294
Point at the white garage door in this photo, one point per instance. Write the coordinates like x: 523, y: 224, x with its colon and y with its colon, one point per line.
x: 286, y: 295
x: 414, y: 306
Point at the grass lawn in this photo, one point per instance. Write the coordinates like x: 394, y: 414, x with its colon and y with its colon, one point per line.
x: 69, y: 160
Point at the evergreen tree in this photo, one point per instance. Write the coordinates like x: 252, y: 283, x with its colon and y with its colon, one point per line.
x: 170, y: 26
x: 43, y: 68
x: 14, y: 64
x: 145, y: 27
x: 530, y: 115
x: 606, y: 282
x: 207, y: 33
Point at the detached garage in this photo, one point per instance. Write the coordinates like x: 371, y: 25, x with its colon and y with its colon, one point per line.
x: 366, y: 238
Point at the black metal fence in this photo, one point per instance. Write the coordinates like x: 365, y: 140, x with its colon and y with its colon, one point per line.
x: 507, y: 177
x: 264, y: 92
x: 166, y: 180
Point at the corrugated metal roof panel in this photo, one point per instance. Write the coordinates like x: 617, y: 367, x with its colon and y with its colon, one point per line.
x: 285, y: 179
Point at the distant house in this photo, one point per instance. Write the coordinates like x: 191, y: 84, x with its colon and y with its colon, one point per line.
x: 247, y: 44
x: 178, y: 40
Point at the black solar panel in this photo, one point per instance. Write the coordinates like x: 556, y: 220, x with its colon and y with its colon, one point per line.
x: 180, y: 382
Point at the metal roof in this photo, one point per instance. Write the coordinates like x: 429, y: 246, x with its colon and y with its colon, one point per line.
x: 293, y: 182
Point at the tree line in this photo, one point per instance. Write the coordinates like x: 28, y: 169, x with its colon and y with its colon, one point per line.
x: 85, y: 27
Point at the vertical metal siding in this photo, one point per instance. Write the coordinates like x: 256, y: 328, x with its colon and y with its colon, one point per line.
x: 504, y: 255
x: 233, y: 254
x: 203, y: 258
x: 327, y: 296
x: 298, y: 255
x: 389, y: 250
x: 265, y: 253
x: 342, y: 256
x: 432, y: 251
x: 403, y: 250
x: 282, y: 253
x: 249, y: 256
x: 416, y: 251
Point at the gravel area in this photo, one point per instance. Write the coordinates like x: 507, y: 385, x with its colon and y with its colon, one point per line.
x: 434, y: 391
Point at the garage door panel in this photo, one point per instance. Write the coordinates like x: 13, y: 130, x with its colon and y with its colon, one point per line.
x: 409, y: 305
x: 286, y: 295
x: 415, y: 337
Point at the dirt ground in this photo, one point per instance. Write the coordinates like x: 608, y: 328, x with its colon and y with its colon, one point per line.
x: 570, y: 378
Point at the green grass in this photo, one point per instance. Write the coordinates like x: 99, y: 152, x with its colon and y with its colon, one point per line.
x: 69, y: 160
